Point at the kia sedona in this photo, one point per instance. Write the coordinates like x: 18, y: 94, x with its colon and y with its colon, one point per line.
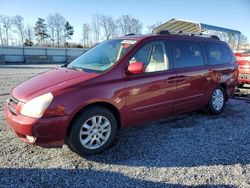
x: 121, y: 83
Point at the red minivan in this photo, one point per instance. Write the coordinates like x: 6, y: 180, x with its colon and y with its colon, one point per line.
x: 120, y: 83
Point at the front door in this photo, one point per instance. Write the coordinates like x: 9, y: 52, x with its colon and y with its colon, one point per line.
x: 152, y: 94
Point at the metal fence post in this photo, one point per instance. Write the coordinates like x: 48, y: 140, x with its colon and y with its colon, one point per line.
x: 66, y: 55
x: 24, y: 60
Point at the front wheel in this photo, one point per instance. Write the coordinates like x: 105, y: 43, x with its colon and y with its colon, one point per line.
x: 93, y: 131
x: 217, y: 101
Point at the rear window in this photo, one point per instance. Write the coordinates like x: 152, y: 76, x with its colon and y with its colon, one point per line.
x: 187, y: 54
x: 217, y: 53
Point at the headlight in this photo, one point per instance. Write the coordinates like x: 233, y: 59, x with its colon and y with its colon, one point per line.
x: 36, y: 107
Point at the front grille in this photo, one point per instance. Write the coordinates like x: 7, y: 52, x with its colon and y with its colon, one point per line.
x: 12, y: 105
x: 13, y: 110
x: 14, y: 100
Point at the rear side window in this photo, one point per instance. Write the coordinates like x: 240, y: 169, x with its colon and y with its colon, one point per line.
x: 217, y: 53
x: 187, y: 54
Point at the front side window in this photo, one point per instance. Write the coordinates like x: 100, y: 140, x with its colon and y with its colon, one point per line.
x: 153, y: 56
x: 217, y: 53
x: 103, y: 56
x: 187, y: 54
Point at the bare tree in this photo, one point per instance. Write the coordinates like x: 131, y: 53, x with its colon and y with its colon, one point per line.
x: 128, y: 24
x: 29, y: 33
x: 6, y: 22
x: 96, y: 27
x: 151, y: 27
x: 85, y: 34
x: 18, y: 23
x: 108, y: 25
x: 243, y: 39
x: 122, y: 22
x: 59, y: 28
x: 1, y: 35
x: 51, y: 27
x: 113, y: 28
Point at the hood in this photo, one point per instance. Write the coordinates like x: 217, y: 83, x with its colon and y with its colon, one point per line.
x: 49, y: 81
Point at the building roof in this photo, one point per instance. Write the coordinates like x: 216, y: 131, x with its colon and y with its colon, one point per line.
x: 185, y: 26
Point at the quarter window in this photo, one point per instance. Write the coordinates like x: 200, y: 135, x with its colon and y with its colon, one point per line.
x: 217, y: 53
x: 187, y: 54
x: 153, y: 56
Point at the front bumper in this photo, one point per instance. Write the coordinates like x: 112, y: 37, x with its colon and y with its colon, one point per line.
x: 48, y: 132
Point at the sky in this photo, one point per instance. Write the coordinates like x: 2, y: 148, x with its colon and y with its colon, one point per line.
x: 233, y: 14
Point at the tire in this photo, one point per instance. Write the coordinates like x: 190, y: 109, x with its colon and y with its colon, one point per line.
x: 93, y: 131
x: 217, y: 101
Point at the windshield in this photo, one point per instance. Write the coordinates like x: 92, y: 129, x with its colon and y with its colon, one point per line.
x: 102, y: 56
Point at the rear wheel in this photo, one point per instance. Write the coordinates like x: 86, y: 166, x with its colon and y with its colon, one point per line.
x: 93, y: 131
x: 217, y: 101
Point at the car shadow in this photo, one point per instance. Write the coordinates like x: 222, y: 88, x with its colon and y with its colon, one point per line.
x: 195, y: 139
x: 57, y: 177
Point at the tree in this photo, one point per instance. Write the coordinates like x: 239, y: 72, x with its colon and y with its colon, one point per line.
x: 96, y: 27
x: 128, y: 24
x: 85, y: 33
x: 6, y: 24
x: 18, y: 23
x: 68, y: 32
x: 135, y: 26
x: 56, y: 25
x: 108, y: 25
x: 1, y: 35
x: 28, y: 43
x: 151, y: 27
x: 41, y: 31
x: 51, y: 27
x: 59, y: 28
x: 29, y: 36
x: 243, y: 40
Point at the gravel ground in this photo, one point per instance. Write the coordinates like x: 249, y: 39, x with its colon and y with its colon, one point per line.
x: 193, y: 150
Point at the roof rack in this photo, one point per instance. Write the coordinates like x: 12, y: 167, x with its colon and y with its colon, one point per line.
x: 166, y: 32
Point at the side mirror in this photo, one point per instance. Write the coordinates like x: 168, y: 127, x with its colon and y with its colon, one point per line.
x: 136, y: 68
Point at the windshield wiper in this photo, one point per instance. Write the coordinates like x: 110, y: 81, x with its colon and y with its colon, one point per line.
x: 75, y: 68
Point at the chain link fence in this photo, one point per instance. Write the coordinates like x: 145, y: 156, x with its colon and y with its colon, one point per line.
x: 13, y: 54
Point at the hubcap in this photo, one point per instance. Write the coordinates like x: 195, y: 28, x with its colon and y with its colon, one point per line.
x: 218, y: 99
x: 95, y: 132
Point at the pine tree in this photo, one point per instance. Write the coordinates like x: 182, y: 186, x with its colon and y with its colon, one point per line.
x: 68, y: 32
x: 41, y: 31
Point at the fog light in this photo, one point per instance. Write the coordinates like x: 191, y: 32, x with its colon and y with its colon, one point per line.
x: 31, y: 139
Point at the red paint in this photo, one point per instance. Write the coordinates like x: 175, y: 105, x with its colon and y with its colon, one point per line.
x: 136, y: 68
x: 244, y: 67
x: 137, y: 97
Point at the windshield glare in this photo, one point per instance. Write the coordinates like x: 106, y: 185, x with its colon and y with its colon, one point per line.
x: 103, y: 56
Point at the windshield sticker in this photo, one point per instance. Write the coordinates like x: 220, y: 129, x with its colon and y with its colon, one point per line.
x: 129, y: 42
